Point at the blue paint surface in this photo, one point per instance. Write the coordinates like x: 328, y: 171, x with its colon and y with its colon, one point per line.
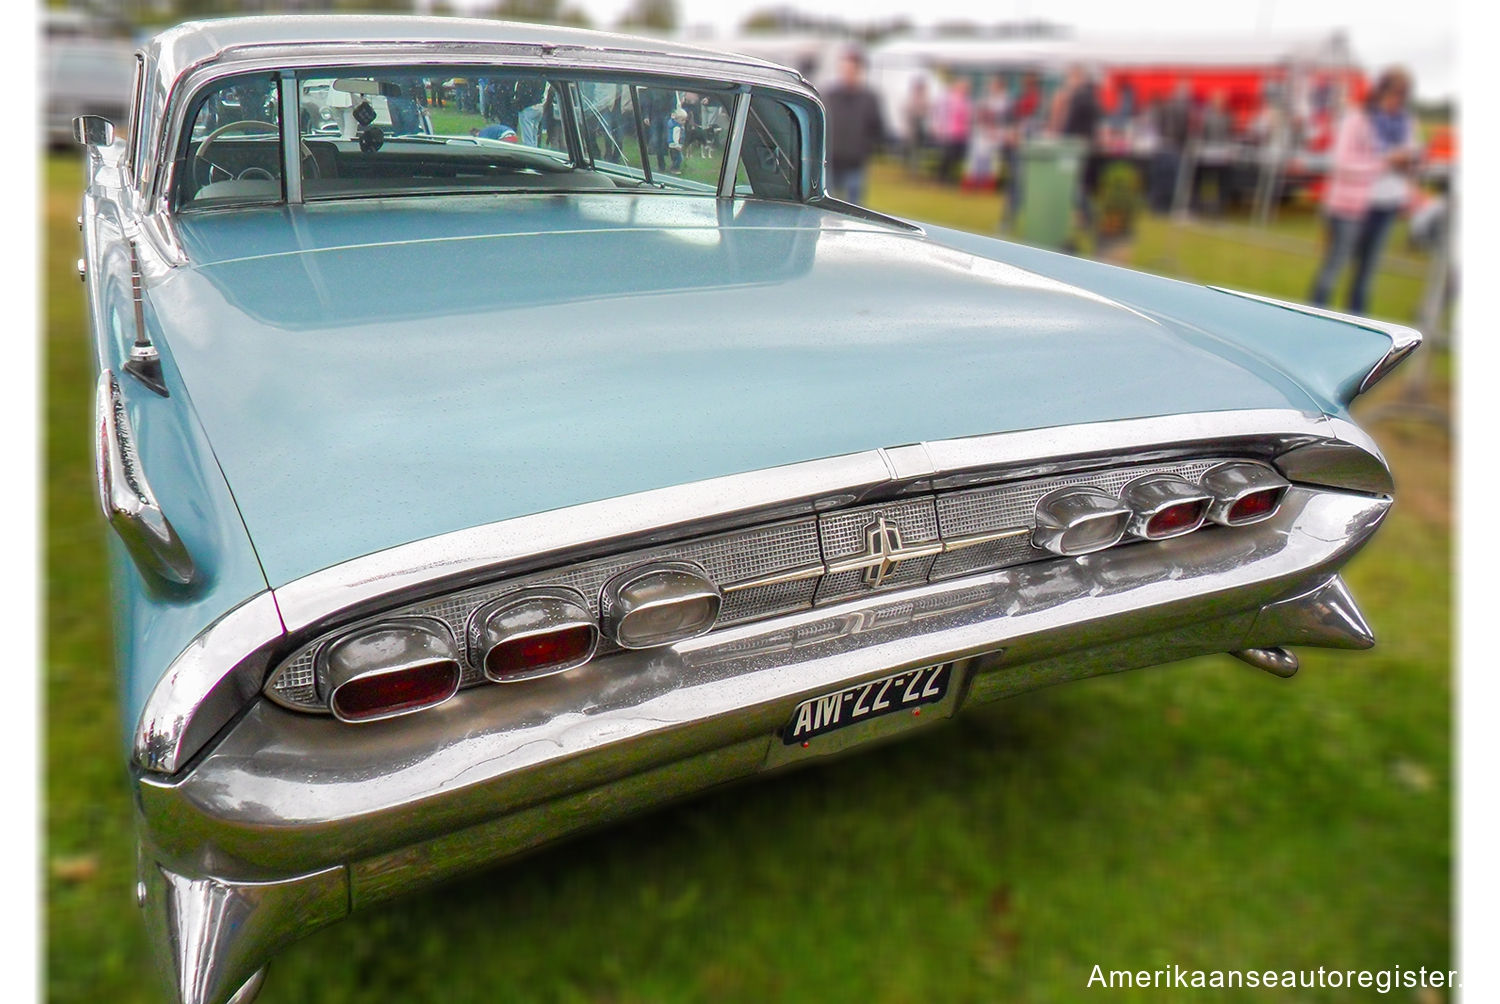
x: 378, y: 372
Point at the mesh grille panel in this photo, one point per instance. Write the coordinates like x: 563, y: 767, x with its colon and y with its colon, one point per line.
x: 783, y: 547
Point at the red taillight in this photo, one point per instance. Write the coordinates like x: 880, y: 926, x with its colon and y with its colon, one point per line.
x: 534, y: 633
x: 411, y: 688
x: 1175, y: 519
x: 1243, y: 492
x: 540, y: 652
x: 1256, y: 505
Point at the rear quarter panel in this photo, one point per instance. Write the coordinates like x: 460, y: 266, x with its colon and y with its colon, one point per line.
x: 153, y: 621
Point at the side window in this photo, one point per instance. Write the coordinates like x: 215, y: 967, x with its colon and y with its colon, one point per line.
x: 685, y: 135
x: 607, y: 122
x: 771, y: 152
x: 232, y: 152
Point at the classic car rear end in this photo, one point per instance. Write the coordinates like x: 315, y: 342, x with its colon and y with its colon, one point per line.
x: 470, y: 492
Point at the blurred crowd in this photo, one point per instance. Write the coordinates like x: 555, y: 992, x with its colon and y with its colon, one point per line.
x: 1185, y: 145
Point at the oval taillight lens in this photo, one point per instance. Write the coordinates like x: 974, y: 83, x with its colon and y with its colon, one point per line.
x: 384, y: 695
x: 1243, y: 492
x: 1256, y: 506
x: 392, y: 668
x: 1184, y: 517
x: 534, y: 633
x: 539, y: 654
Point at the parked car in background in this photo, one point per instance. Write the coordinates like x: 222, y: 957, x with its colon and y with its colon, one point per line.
x: 85, y: 76
x: 643, y: 482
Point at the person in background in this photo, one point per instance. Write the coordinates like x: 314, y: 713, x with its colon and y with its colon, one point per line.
x: 676, y: 133
x: 657, y: 105
x: 982, y: 166
x: 1021, y: 122
x: 1174, y: 122
x: 1216, y: 135
x: 1375, y: 150
x: 1076, y: 115
x: 495, y: 130
x: 855, y: 129
x: 406, y: 118
x: 529, y: 93
x: 916, y: 112
x: 954, y: 119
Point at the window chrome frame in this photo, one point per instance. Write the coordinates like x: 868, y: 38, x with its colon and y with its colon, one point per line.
x: 183, y: 86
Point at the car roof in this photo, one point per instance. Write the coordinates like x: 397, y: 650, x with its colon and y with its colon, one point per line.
x: 179, y: 49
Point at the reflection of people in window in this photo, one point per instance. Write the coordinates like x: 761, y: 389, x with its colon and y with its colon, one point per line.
x: 529, y: 95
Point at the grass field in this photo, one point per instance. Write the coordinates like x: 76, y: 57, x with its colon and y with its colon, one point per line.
x: 695, y: 168
x: 1202, y: 814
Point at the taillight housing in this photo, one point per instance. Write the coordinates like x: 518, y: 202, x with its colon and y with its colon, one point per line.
x: 1079, y: 520
x: 1164, y: 505
x: 658, y: 604
x: 388, y: 669
x: 536, y: 634
x: 1243, y: 493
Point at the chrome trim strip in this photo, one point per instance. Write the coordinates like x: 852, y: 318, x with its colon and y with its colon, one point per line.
x: 777, y: 578
x: 213, y: 679
x: 242, y: 643
x: 730, y: 167
x: 959, y: 543
x: 291, y: 139
x: 1404, y: 339
x: 126, y: 498
x: 466, y: 557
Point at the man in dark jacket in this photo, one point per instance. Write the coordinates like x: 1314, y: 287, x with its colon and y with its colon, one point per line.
x: 855, y: 129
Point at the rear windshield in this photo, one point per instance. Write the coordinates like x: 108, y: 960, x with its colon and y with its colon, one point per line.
x: 366, y: 132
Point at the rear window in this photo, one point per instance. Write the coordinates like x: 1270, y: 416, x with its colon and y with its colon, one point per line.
x: 232, y: 153
x: 428, y: 130
x: 436, y: 130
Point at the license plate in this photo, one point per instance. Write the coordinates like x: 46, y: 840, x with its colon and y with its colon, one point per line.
x: 886, y: 696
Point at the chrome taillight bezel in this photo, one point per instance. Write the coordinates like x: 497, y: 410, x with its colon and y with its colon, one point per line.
x: 1231, y: 482
x: 529, y: 614
x: 652, y: 586
x: 427, y: 641
x: 1152, y: 494
x: 1069, y: 509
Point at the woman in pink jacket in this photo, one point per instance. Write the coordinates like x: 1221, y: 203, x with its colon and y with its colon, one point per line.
x: 1373, y: 152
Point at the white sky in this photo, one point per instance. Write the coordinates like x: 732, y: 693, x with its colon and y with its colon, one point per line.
x: 1422, y: 36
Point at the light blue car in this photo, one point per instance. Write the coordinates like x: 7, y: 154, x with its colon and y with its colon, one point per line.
x: 467, y: 492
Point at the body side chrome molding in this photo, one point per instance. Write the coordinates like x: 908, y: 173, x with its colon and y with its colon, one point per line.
x: 234, y: 653
x: 207, y: 685
x: 125, y: 496
x: 1404, y: 340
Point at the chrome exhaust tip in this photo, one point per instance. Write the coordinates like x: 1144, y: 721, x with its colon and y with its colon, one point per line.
x: 1276, y: 660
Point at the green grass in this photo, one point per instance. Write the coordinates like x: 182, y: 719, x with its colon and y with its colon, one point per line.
x: 696, y: 168
x: 1201, y: 813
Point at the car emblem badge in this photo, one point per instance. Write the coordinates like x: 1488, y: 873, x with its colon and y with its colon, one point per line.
x: 883, y: 554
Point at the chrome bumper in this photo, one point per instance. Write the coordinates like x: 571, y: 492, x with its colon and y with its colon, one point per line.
x: 291, y: 821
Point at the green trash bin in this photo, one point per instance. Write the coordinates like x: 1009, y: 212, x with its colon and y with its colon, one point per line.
x: 1049, y: 177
